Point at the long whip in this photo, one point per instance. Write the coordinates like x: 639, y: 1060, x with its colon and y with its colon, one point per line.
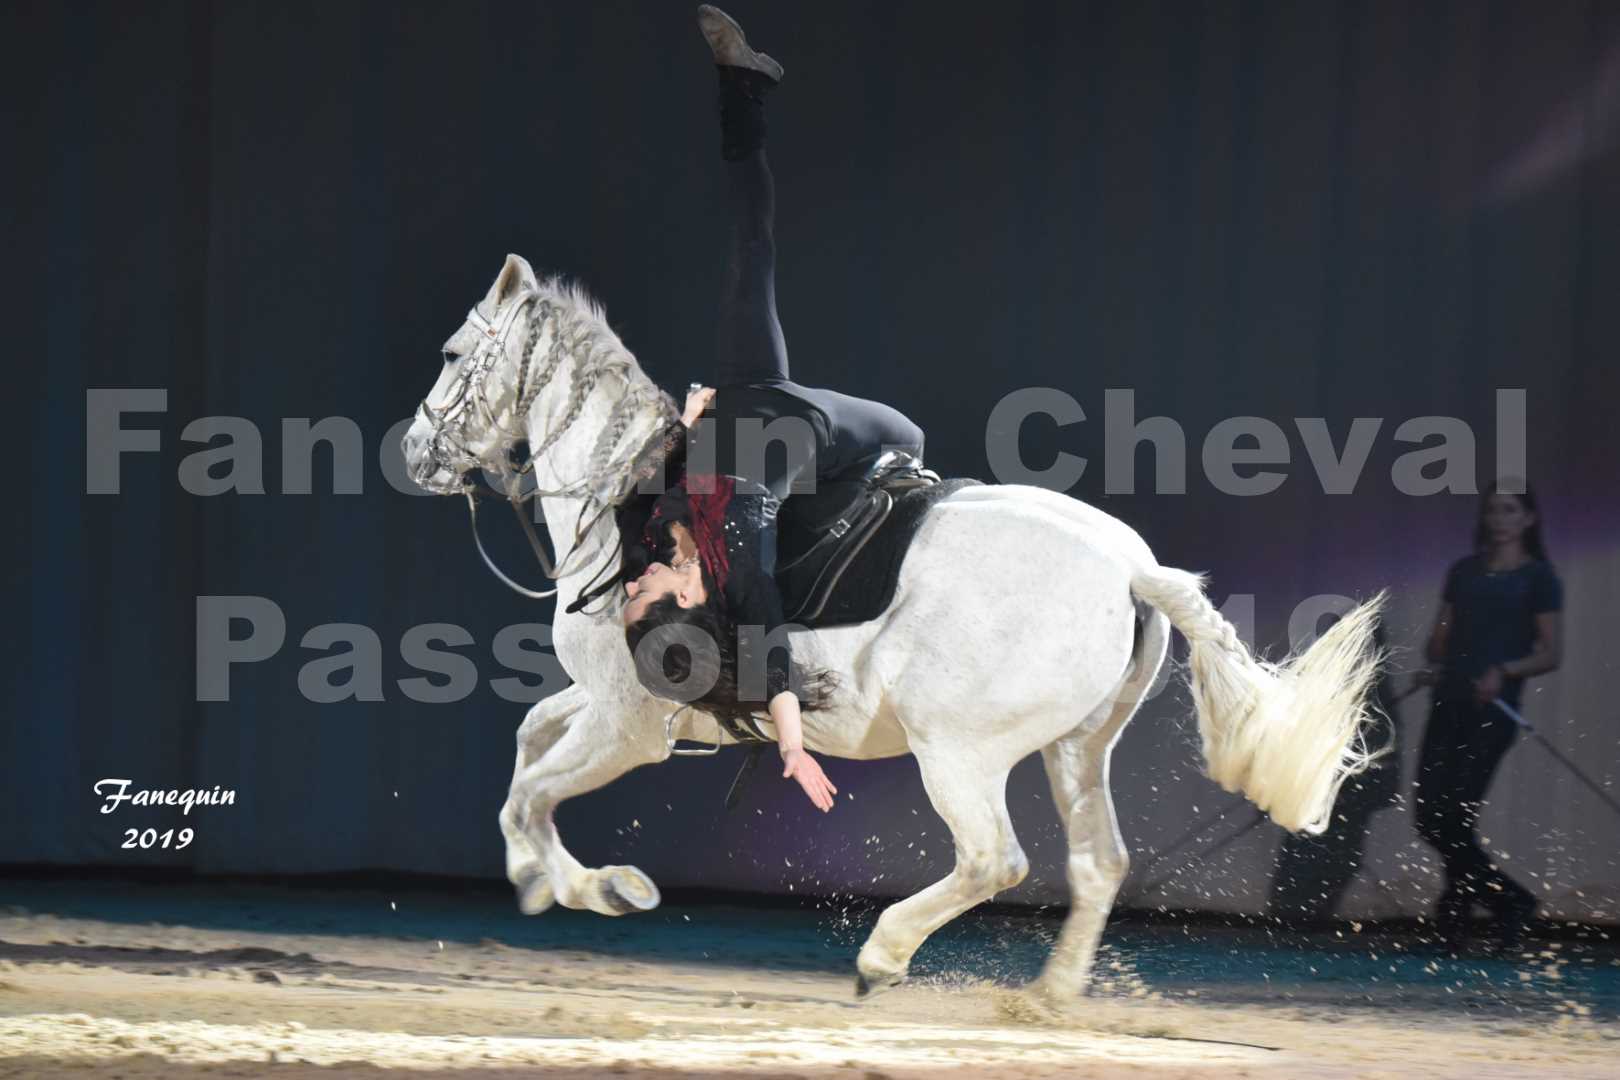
x: 1514, y: 715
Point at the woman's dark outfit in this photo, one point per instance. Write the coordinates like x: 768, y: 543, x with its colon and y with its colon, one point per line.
x: 730, y: 506
x: 1493, y: 621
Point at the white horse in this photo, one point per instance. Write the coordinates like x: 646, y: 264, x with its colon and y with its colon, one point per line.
x: 1024, y: 621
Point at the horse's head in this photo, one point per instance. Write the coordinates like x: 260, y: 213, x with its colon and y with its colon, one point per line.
x: 536, y: 360
x: 469, y: 420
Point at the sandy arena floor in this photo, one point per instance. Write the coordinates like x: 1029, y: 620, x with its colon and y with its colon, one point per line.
x: 95, y: 997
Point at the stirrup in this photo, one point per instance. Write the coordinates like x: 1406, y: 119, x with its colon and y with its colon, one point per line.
x: 669, y: 737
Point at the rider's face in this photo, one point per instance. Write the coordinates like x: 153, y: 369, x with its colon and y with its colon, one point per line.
x: 660, y: 580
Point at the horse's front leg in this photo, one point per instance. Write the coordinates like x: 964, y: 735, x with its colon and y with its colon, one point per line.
x: 593, y: 749
x: 540, y: 730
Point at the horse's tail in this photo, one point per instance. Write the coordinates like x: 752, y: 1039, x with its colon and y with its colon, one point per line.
x: 1285, y: 735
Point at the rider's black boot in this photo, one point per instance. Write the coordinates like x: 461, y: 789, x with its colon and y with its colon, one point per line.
x: 745, y: 77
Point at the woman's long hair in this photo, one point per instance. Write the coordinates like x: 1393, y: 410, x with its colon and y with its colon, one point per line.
x: 1527, y: 499
x: 676, y: 665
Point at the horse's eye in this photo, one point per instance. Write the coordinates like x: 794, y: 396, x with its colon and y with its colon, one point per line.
x: 450, y: 357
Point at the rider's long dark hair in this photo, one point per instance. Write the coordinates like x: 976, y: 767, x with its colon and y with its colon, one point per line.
x: 681, y: 666
x: 1533, y: 543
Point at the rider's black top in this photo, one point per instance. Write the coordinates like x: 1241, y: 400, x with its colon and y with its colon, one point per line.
x: 732, y: 520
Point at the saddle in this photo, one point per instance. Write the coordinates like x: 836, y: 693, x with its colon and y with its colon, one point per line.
x: 839, y: 549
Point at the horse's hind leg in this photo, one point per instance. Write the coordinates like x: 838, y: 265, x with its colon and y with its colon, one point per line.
x: 1077, y: 766
x: 973, y: 802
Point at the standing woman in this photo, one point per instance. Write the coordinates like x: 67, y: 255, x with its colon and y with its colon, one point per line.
x: 1498, y: 626
x: 701, y: 557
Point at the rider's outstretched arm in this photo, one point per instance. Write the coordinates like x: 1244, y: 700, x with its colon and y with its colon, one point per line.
x: 756, y: 606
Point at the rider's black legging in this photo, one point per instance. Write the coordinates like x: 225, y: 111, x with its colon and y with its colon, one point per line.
x: 751, y: 364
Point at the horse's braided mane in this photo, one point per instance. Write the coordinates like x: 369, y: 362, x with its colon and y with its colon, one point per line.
x: 582, y: 328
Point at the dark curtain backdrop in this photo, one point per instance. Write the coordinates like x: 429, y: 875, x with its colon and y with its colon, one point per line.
x: 280, y: 210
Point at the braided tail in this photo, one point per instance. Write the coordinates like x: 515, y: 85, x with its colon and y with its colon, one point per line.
x: 1285, y: 735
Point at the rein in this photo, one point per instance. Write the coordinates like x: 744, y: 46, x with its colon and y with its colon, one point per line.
x: 539, y: 549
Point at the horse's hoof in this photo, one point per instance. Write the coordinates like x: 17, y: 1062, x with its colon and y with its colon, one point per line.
x: 536, y: 895
x: 865, y: 987
x: 1044, y: 998
x: 627, y: 890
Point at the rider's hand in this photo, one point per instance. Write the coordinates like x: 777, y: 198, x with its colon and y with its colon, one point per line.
x: 696, y: 402
x: 803, y: 768
x: 1488, y: 685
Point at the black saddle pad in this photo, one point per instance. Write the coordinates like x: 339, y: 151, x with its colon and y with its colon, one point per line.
x: 866, y: 587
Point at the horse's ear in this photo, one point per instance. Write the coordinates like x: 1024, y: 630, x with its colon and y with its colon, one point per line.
x: 516, y: 276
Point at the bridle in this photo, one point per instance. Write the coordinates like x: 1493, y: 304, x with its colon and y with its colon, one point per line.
x: 608, y: 481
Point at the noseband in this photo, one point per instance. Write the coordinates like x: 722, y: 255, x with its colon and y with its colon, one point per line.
x: 469, y: 394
